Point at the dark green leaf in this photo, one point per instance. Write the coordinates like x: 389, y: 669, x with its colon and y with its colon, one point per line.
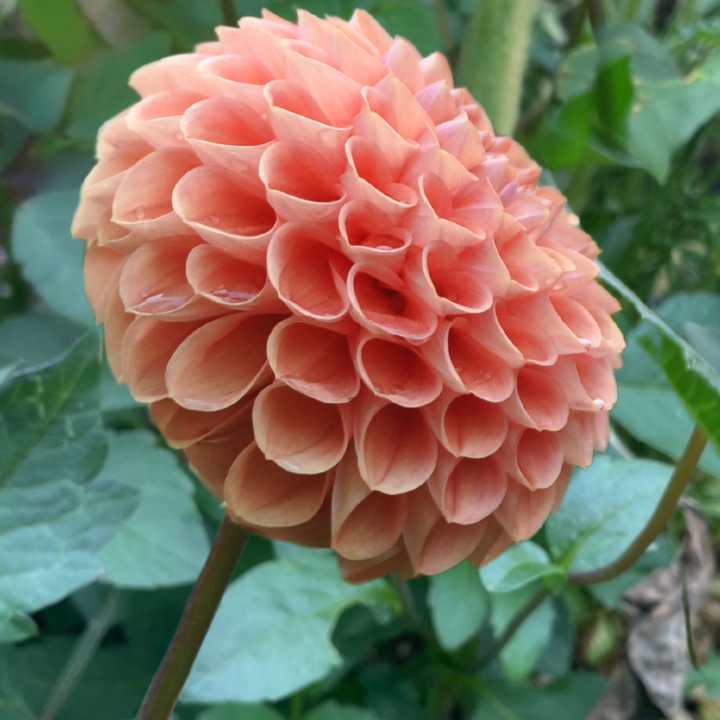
x: 241, y: 711
x: 459, y: 605
x: 334, y: 711
x: 706, y: 341
x: 586, y: 535
x: 50, y: 259
x: 288, y: 609
x: 164, y: 543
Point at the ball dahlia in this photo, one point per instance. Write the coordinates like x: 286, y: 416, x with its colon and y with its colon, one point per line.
x: 345, y: 298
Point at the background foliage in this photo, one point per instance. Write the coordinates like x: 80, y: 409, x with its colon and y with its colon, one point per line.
x: 102, y: 529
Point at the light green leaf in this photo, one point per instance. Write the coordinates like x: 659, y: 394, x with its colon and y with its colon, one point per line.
x: 241, y: 711
x: 519, y: 656
x: 567, y: 698
x: 53, y: 518
x: 62, y: 27
x: 334, y: 711
x: 164, y: 543
x: 584, y: 535
x: 459, y: 605
x: 34, y: 92
x: 102, y: 90
x: 694, y: 380
x: 288, y: 609
x: 412, y: 19
x: 519, y: 565
x: 706, y: 341
x: 14, y: 625
x: 50, y: 259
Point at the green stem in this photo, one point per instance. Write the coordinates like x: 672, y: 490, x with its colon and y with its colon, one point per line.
x: 230, y: 17
x: 443, y: 25
x: 199, y: 612
x: 80, y: 657
x: 405, y: 596
x: 596, y: 12
x: 680, y: 479
x: 494, y: 55
x: 522, y: 615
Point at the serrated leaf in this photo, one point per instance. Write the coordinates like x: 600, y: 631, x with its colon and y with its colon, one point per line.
x: 459, y: 605
x: 288, y: 610
x: 519, y: 655
x: 164, y: 543
x: 54, y: 517
x: 585, y: 535
x: 50, y: 259
x: 518, y: 566
x: 694, y: 380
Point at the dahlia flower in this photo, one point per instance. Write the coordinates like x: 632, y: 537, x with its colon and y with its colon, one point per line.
x: 345, y: 298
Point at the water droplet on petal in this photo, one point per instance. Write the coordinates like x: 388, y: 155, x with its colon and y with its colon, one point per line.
x: 586, y: 343
x: 383, y: 247
x: 179, y: 136
x: 600, y: 404
x: 140, y: 212
x: 159, y: 303
x: 459, y: 367
x: 396, y: 390
x: 240, y: 293
x: 488, y: 376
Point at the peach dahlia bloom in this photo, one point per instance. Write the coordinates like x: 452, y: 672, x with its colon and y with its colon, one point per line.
x: 345, y: 298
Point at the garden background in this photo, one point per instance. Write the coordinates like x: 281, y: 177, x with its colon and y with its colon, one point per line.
x: 103, y: 529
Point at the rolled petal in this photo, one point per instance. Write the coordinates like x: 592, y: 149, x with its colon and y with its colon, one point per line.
x: 117, y: 321
x: 532, y: 457
x: 299, y: 433
x: 313, y: 360
x: 104, y: 179
x: 467, y: 490
x: 157, y: 118
x: 143, y: 202
x: 468, y: 426
x: 261, y: 493
x: 231, y: 353
x: 365, y: 524
x: 237, y: 77
x: 215, y: 204
x: 395, y: 371
x: 230, y: 282
x: 523, y: 511
x: 396, y: 448
x: 538, y: 401
x: 434, y: 544
x: 102, y: 266
x: 307, y: 272
x: 394, y: 560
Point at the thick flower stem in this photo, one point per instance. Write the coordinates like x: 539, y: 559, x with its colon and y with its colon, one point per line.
x: 494, y: 55
x: 199, y: 612
x: 663, y: 512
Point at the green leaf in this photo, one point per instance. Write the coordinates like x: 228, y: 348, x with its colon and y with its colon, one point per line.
x: 707, y: 677
x: 413, y: 20
x: 15, y: 626
x: 666, y: 114
x: 567, y: 698
x: 53, y: 518
x: 241, y: 711
x: 694, y: 380
x: 287, y: 610
x: 334, y: 711
x: 164, y: 543
x: 459, y: 605
x: 519, y: 656
x: 33, y: 92
x: 706, y: 341
x: 519, y: 565
x: 605, y: 507
x: 62, y: 27
x: 102, y: 90
x: 50, y: 259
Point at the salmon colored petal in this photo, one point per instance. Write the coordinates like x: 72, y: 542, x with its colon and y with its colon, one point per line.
x: 468, y: 426
x: 117, y: 321
x: 178, y: 72
x: 396, y: 448
x: 143, y: 202
x: 434, y: 544
x: 104, y: 179
x: 102, y: 266
x: 146, y: 350
x: 300, y: 434
x: 300, y: 183
x: 404, y: 62
x: 313, y: 360
x: 355, y: 58
x: 314, y: 532
x: 214, y: 203
x: 532, y: 457
x: 382, y: 303
x: 392, y: 100
x: 361, y: 571
x: 231, y: 353
x: 307, y: 272
x: 261, y: 493
x: 467, y: 490
x: 371, y: 29
x: 365, y: 524
x: 577, y: 438
x: 538, y: 401
x: 395, y: 371
x: 523, y: 511
x: 435, y: 68
x: 237, y: 77
x: 230, y: 282
x: 157, y: 118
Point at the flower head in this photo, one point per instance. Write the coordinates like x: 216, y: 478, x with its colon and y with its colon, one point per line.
x: 346, y: 299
